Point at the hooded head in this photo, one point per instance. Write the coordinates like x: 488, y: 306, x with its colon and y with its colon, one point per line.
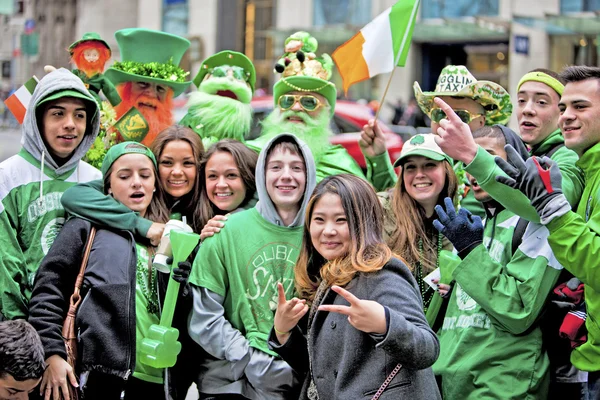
x: 284, y: 179
x: 55, y: 87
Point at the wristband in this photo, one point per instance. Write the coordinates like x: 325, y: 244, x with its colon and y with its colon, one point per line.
x: 279, y: 332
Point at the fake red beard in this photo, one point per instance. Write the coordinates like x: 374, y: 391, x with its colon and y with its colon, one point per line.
x: 157, y: 114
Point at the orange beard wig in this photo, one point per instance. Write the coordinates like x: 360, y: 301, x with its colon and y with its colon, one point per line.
x: 157, y: 114
x: 84, y: 65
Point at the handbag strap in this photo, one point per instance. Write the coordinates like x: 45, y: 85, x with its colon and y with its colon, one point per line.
x: 387, y: 381
x: 76, y: 297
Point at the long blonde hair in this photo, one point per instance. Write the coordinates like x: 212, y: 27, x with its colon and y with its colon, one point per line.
x: 368, y: 252
x: 410, y: 220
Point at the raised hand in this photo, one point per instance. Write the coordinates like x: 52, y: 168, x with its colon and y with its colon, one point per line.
x: 214, y: 225
x: 372, y: 139
x: 288, y: 313
x: 454, y: 136
x: 155, y: 233
x: 463, y: 229
x: 365, y: 315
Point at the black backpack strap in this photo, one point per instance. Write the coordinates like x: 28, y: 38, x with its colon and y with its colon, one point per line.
x: 553, y: 150
x: 518, y: 234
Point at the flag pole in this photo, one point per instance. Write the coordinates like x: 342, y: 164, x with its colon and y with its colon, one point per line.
x: 397, y: 60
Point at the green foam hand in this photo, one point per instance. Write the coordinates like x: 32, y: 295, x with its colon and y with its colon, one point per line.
x: 160, y: 348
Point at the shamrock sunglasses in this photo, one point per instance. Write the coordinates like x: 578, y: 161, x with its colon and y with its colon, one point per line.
x: 437, y: 114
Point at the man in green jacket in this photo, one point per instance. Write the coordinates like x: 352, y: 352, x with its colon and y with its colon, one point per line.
x: 491, y: 339
x: 574, y: 236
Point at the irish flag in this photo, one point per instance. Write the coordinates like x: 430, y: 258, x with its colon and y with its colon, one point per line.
x: 379, y: 46
x: 18, y: 102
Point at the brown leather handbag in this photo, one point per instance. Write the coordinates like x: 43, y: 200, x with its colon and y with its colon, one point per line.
x: 68, y: 329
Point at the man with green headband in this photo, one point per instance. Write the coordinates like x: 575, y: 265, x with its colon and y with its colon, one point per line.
x: 221, y: 109
x: 147, y: 78
x: 304, y: 106
x: 61, y: 123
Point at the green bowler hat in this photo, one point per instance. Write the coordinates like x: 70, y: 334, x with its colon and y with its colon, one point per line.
x: 227, y: 57
x: 306, y: 84
x: 150, y: 56
x: 89, y: 37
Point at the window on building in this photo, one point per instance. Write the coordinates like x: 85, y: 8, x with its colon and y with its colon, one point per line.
x: 348, y: 12
x: 175, y: 17
x: 260, y: 16
x: 569, y: 6
x: 458, y: 8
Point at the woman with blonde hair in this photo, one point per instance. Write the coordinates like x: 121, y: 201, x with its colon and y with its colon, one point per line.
x: 382, y: 335
x: 426, y: 177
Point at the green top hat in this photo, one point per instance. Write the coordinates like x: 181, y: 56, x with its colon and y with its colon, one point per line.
x: 150, y: 56
x: 456, y: 80
x: 89, y: 37
x: 227, y: 57
x: 306, y: 84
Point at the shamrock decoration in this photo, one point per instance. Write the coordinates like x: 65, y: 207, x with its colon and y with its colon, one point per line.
x: 416, y: 140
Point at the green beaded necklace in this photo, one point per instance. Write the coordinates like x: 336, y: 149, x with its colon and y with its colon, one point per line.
x: 426, y: 290
x: 146, y: 276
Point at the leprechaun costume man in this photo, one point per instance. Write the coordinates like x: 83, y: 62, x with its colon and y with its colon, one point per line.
x: 221, y: 109
x: 147, y: 79
x: 304, y: 106
x: 90, y: 54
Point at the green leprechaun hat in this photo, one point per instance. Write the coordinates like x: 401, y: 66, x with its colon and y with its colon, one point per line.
x: 150, y: 56
x: 89, y: 37
x: 231, y: 58
x: 457, y: 81
x: 308, y: 76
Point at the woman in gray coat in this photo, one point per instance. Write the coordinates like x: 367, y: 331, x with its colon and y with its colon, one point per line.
x: 361, y: 305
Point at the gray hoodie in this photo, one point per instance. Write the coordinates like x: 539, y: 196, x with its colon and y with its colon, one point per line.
x: 265, y: 205
x: 32, y: 142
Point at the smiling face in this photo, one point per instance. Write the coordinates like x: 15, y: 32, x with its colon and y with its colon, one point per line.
x: 64, y: 123
x: 579, y: 120
x: 224, y: 184
x: 11, y: 389
x: 496, y: 148
x: 132, y: 181
x: 424, y: 180
x: 537, y: 111
x: 285, y: 179
x: 91, y: 55
x: 177, y: 168
x: 329, y: 230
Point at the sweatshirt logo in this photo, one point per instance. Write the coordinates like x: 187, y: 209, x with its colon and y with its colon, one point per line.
x: 463, y: 300
x: 50, y: 233
x: 40, y: 207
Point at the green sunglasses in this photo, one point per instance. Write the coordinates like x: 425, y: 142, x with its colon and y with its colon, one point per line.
x: 307, y: 101
x: 223, y: 70
x: 437, y: 114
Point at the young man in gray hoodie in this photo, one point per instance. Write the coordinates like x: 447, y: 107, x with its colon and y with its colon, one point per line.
x: 235, y: 275
x: 61, y: 123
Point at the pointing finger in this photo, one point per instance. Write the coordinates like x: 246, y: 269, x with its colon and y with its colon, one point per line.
x: 450, y: 114
x: 352, y: 299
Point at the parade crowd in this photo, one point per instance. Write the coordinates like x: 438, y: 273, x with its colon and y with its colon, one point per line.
x: 465, y: 269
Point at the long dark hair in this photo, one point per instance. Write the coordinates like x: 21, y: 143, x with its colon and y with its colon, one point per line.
x: 244, y: 158
x: 189, y: 204
x: 368, y: 252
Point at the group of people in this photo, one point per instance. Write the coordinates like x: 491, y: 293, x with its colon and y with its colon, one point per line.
x: 312, y: 280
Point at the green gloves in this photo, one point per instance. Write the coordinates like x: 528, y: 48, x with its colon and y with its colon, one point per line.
x: 539, y: 179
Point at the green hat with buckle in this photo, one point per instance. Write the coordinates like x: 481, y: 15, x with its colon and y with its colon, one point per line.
x: 457, y: 81
x: 89, y: 37
x: 150, y: 56
x: 231, y: 58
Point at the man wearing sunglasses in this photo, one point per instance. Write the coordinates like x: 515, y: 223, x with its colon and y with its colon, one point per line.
x: 304, y: 106
x: 221, y: 109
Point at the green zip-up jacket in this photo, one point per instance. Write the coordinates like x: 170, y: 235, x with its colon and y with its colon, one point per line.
x: 490, y: 340
x: 575, y: 239
x: 485, y: 170
x: 31, y: 185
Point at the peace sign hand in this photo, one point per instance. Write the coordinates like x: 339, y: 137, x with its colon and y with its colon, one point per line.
x: 288, y: 313
x: 454, y: 136
x: 365, y: 315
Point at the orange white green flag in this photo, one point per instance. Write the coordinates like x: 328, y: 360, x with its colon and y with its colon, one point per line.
x: 379, y: 46
x: 18, y: 102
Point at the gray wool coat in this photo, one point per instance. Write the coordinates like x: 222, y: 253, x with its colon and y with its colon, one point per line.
x: 350, y: 364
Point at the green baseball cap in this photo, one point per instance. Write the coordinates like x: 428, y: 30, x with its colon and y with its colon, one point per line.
x: 422, y: 145
x: 227, y: 57
x: 123, y: 148
x: 89, y: 100
x: 150, y: 56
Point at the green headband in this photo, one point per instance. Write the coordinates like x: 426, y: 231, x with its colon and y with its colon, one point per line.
x: 543, y: 78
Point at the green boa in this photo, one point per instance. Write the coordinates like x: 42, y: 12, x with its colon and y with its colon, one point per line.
x: 314, y: 132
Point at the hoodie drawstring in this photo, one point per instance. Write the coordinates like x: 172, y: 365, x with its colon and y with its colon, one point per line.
x: 41, y: 199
